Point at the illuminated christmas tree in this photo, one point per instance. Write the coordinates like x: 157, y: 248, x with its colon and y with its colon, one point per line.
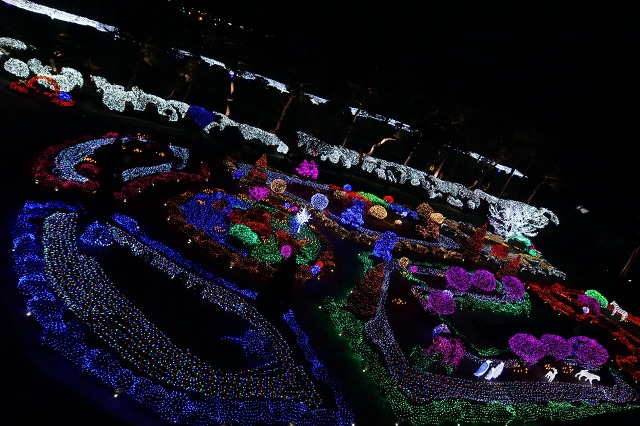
x: 261, y: 163
x: 472, y: 248
x: 510, y: 269
x: 365, y: 297
x: 430, y: 229
x: 257, y: 176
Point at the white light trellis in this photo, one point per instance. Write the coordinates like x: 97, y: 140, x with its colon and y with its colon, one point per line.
x: 115, y: 97
x: 249, y: 132
x: 11, y: 43
x: 67, y: 80
x: 16, y: 67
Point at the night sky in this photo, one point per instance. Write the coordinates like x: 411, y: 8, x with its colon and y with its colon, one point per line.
x: 569, y: 68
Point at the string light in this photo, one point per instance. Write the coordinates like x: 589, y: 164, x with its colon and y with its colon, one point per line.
x: 115, y: 97
x: 95, y: 236
x: 11, y: 43
x: 258, y: 396
x: 17, y: 67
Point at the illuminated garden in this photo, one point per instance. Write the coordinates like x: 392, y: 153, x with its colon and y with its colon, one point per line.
x: 259, y: 287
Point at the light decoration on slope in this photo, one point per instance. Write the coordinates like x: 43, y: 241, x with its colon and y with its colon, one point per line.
x: 374, y: 199
x: 200, y: 116
x: 483, y: 280
x: 458, y: 278
x: 434, y: 186
x: 56, y: 96
x: 258, y: 193
x: 139, y: 244
x: 455, y: 193
x: 286, y: 251
x: 441, y: 302
x: 332, y: 221
x: 97, y: 234
x: 207, y: 217
x: 62, y: 167
x: 278, y: 186
x: 383, y: 337
x: 403, y: 211
x: 319, y: 201
x: 499, y: 167
x: 556, y: 346
x: 377, y: 211
x: 563, y: 300
x: 138, y: 172
x: 450, y: 350
x: 299, y: 220
x: 453, y: 401
x: 352, y: 216
x: 345, y: 412
x: 513, y: 287
x: 599, y: 297
x: 384, y: 246
x: 87, y: 292
x: 248, y: 132
x: 586, y: 351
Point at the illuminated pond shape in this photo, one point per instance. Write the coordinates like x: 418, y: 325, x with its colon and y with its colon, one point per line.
x: 72, y: 298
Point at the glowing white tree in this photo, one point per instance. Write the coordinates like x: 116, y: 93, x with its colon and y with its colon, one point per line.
x: 300, y: 219
x: 510, y: 217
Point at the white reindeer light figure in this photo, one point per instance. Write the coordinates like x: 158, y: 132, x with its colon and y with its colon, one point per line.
x: 587, y: 376
x: 551, y: 374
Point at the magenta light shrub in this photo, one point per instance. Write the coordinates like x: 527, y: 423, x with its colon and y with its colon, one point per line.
x: 308, y: 168
x: 258, y: 193
x: 527, y: 347
x: 441, y: 302
x: 556, y: 346
x: 451, y: 349
x: 458, y: 278
x: 513, y: 287
x: 589, y: 302
x: 484, y: 280
x: 285, y: 251
x: 588, y: 352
